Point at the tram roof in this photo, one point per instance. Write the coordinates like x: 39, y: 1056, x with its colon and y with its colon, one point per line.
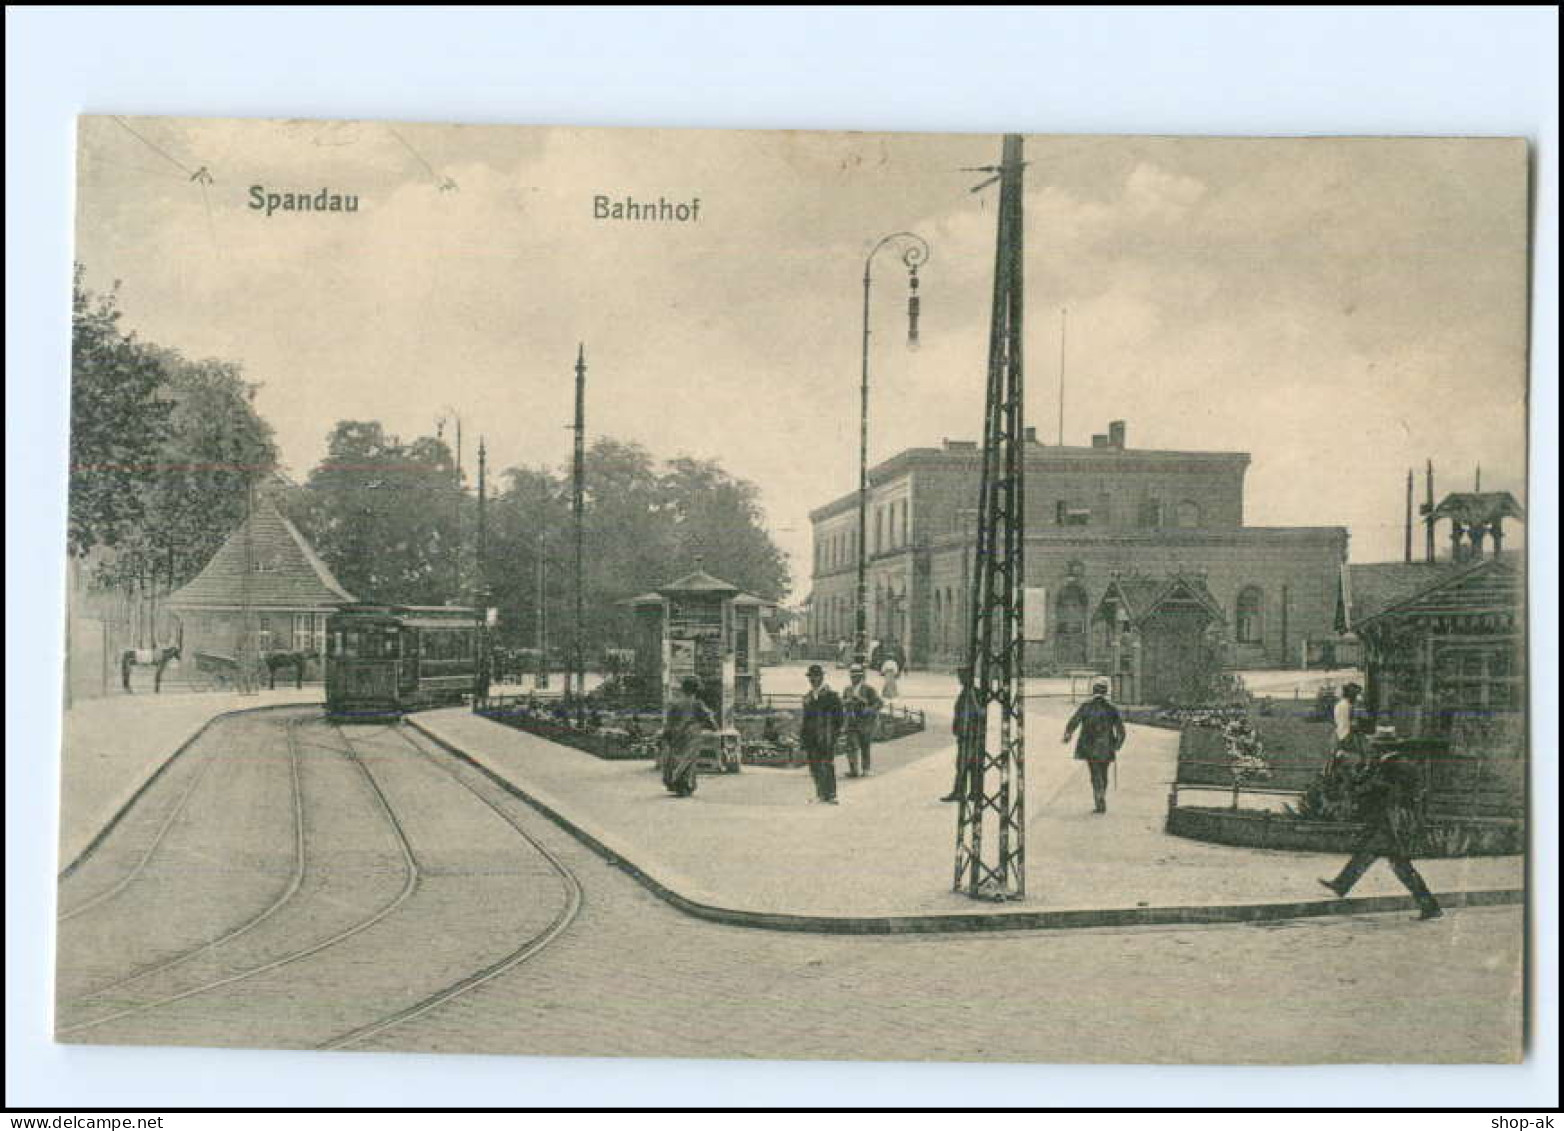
x: 408, y: 614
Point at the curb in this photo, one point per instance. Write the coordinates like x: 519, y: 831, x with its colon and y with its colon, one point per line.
x: 963, y: 922
x: 102, y: 834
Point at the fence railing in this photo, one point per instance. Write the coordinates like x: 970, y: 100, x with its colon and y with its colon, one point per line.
x: 794, y: 701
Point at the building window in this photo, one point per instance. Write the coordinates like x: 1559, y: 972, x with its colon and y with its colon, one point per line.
x: 1250, y: 615
x: 1151, y: 512
x: 1189, y: 513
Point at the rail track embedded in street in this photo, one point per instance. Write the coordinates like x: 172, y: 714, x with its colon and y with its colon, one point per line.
x: 413, y: 876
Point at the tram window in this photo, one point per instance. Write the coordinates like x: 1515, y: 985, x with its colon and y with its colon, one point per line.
x: 447, y: 644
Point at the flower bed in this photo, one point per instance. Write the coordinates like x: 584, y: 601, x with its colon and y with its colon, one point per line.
x: 768, y: 735
x: 1248, y: 828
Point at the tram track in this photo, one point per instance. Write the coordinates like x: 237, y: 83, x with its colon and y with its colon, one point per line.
x: 409, y: 886
x: 66, y: 915
x: 413, y: 877
x: 574, y: 898
x: 295, y: 882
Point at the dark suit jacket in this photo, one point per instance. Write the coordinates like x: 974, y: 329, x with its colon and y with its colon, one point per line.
x: 860, y: 708
x: 822, y: 721
x: 1102, y: 731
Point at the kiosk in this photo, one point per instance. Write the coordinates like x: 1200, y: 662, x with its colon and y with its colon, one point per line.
x: 703, y: 626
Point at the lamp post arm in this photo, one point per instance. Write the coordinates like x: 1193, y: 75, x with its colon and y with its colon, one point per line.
x: 915, y: 252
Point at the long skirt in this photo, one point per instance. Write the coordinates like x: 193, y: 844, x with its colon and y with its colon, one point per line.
x: 680, y: 769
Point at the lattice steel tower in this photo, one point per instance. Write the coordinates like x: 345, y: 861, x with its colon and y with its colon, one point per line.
x: 991, y: 828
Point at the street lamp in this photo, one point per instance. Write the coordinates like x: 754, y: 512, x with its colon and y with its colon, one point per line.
x: 914, y: 253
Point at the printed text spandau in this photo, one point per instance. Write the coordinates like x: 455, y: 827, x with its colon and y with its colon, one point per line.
x: 268, y: 201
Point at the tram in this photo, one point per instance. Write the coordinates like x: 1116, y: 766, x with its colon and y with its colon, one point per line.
x: 385, y: 660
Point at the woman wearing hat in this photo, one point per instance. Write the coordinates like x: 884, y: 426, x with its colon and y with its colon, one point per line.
x: 1102, y: 733
x: 687, y: 717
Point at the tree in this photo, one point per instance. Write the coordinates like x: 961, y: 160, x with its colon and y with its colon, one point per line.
x: 119, y: 421
x: 719, y: 519
x: 214, y: 446
x: 643, y: 526
x: 385, y: 515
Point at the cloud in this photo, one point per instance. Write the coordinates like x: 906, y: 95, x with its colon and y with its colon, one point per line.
x: 1342, y: 309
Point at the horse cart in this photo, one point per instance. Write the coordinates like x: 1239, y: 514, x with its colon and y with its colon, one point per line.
x: 216, y: 672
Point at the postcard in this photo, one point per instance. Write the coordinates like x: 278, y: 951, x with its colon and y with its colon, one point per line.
x: 787, y: 595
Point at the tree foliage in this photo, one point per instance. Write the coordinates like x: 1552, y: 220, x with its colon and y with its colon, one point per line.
x: 384, y: 515
x: 644, y: 524
x: 163, y: 449
x: 119, y: 422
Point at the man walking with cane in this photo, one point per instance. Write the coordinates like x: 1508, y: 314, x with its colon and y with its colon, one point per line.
x: 1102, y: 734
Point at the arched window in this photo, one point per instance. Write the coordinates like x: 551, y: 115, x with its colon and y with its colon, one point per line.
x: 1189, y: 513
x: 1250, y: 615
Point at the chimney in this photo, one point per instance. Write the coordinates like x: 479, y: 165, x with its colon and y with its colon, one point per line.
x: 1099, y: 441
x: 1116, y: 434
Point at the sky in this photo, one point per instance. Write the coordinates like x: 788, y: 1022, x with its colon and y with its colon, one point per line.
x: 1342, y: 309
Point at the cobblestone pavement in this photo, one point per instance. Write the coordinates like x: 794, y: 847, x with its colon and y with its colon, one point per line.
x: 629, y: 976
x: 307, y: 883
x: 112, y: 745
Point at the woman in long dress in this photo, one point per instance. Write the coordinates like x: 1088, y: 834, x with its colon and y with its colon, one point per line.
x: 687, y: 718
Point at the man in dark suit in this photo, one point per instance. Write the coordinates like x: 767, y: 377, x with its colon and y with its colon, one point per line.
x: 861, y: 718
x: 818, y: 731
x: 1388, y: 799
x: 968, y: 729
x: 1102, y: 733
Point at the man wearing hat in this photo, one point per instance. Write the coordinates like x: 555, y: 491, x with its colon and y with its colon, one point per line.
x: 861, y: 715
x: 1102, y: 733
x: 1388, y: 799
x: 818, y: 731
x: 968, y: 729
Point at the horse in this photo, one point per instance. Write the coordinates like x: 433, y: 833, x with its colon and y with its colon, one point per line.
x: 158, y: 658
x: 294, y: 660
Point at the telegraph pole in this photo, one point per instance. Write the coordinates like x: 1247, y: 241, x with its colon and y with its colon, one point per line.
x: 1063, y: 314
x: 247, y: 639
x: 991, y: 826
x: 481, y: 604
x: 578, y: 506
x: 483, y: 528
x: 1409, y: 518
x: 541, y: 679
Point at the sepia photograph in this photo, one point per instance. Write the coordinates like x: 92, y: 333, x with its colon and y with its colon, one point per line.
x: 796, y: 595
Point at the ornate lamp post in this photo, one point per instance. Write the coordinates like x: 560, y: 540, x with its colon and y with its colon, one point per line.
x: 914, y: 253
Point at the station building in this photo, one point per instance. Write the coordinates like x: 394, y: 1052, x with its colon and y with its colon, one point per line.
x: 1095, y: 515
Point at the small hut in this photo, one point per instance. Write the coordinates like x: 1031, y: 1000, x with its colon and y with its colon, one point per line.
x: 703, y: 626
x: 1444, y: 659
x: 264, y: 591
x: 1163, y: 638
